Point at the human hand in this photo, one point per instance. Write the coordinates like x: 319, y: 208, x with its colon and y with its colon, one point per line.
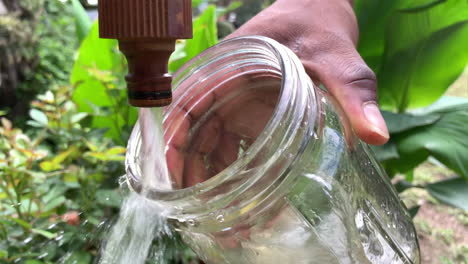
x: 324, y: 35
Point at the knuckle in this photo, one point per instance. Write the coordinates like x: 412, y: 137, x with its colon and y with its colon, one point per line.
x: 361, y: 80
x: 356, y: 71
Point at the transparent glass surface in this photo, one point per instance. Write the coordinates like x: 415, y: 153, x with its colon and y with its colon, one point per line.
x: 265, y: 168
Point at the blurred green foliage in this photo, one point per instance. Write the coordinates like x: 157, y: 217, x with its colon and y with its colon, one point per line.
x: 417, y: 50
x: 31, y: 35
x: 58, y: 184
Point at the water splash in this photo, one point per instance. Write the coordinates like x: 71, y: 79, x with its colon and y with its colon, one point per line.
x: 141, y: 221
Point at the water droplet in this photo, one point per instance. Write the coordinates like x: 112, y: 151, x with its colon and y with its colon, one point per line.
x: 191, y: 222
x: 220, y: 218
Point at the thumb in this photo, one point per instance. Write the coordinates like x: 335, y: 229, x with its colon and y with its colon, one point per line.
x: 354, y: 85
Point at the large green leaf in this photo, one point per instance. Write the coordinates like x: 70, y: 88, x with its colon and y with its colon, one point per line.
x: 93, y: 52
x: 446, y: 140
x: 418, y: 75
x: 99, y: 61
x: 398, y: 123
x: 373, y: 17
x: 424, y: 53
x: 386, y: 152
x: 452, y: 191
x: 204, y: 36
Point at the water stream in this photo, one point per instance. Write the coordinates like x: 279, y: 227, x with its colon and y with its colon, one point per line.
x: 141, y: 221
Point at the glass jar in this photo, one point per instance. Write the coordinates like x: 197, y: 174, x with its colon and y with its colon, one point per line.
x: 266, y: 169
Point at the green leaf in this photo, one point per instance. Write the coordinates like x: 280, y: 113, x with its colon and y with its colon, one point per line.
x: 386, y: 152
x: 82, y: 20
x: 413, y: 211
x: 78, y: 117
x: 49, y: 166
x: 99, y: 62
x: 116, y: 151
x: 397, y: 123
x: 39, y: 117
x: 452, y: 191
x: 93, y: 52
x: 204, y: 36
x: 445, y: 140
x: 78, y: 257
x: 196, y: 3
x: 403, y: 185
x: 108, y: 198
x: 373, y: 17
x: 44, y: 233
x: 420, y: 5
x: 3, y: 253
x: 423, y: 54
x: 54, y: 203
x: 21, y: 222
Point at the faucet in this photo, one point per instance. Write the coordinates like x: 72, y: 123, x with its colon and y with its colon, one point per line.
x: 147, y: 31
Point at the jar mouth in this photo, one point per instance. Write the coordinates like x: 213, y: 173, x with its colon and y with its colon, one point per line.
x: 295, y: 108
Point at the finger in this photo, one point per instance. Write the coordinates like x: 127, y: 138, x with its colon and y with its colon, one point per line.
x: 226, y: 153
x: 354, y: 85
x: 176, y: 130
x: 203, y: 143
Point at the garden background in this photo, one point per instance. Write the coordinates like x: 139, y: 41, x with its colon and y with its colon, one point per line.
x: 65, y: 121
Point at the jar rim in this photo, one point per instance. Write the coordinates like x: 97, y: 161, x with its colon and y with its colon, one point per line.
x: 292, y: 73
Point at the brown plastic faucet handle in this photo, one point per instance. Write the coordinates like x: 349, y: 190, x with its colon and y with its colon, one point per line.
x: 147, y: 31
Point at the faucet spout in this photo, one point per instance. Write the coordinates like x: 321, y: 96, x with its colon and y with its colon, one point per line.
x: 147, y: 31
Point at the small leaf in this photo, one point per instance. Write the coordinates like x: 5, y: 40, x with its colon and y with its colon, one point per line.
x: 48, y: 166
x: 452, y: 191
x: 44, y: 233
x: 116, y: 151
x: 33, y: 261
x: 21, y: 222
x: 39, y: 117
x: 91, y: 146
x: 6, y: 124
x: 3, y: 253
x: 64, y: 155
x: 33, y: 123
x: 78, y: 117
x: 54, y: 203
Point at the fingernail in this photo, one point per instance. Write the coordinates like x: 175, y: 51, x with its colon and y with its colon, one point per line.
x: 373, y: 115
